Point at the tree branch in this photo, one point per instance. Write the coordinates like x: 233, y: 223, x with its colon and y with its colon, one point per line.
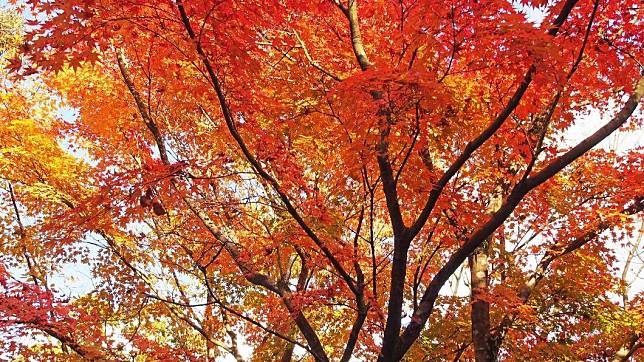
x: 314, y: 63
x: 232, y: 128
x: 426, y: 306
x: 147, y: 119
x: 540, y: 271
x: 351, y: 13
x: 473, y: 145
x: 628, y: 348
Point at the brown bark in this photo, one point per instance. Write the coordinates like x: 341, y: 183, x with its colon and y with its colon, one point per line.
x: 287, y: 356
x: 480, y: 308
x: 480, y: 288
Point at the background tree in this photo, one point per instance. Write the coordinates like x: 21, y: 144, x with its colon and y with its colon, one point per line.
x: 303, y: 179
x: 11, y: 29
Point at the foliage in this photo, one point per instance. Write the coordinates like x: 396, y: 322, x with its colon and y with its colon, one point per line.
x: 11, y: 29
x: 301, y: 179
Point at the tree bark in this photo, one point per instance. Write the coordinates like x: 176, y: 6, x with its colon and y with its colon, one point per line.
x: 480, y: 307
x: 480, y: 285
x: 630, y: 346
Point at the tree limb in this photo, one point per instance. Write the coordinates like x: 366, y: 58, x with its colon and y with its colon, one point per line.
x: 426, y: 306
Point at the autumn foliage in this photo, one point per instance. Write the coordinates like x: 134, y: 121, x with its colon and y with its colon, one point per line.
x: 325, y: 180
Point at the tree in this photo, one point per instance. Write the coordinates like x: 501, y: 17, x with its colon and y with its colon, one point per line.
x: 10, y: 30
x: 303, y: 178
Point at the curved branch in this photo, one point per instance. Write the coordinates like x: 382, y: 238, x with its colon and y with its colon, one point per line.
x: 474, y: 145
x: 232, y: 128
x: 426, y: 305
x: 147, y: 119
x: 351, y: 13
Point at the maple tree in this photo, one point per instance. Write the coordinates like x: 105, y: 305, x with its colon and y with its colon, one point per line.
x: 302, y: 180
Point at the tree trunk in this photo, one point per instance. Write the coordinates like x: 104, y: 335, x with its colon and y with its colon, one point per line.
x: 480, y: 312
x: 480, y: 284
